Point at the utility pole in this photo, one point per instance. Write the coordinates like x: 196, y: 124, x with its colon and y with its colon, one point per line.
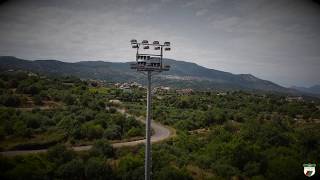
x: 150, y: 63
x: 148, y: 162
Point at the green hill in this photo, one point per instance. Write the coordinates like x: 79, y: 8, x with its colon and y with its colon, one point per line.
x: 182, y: 74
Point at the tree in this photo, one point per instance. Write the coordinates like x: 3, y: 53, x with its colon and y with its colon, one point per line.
x: 225, y: 169
x: 252, y: 168
x: 102, y: 148
x: 37, y: 100
x: 27, y: 87
x: 2, y: 83
x: 97, y: 168
x: 2, y: 133
x: 20, y: 129
x: 32, y: 120
x: 33, y: 90
x: 72, y: 126
x: 92, y: 131
x: 284, y: 167
x: 29, y: 167
x: 131, y: 167
x: 69, y: 99
x: 10, y: 100
x: 59, y: 154
x: 13, y: 83
x: 112, y: 132
x: 172, y: 173
x: 133, y: 132
x: 73, y: 169
x: 183, y: 103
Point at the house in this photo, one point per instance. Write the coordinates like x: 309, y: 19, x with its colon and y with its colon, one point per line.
x: 292, y: 99
x: 221, y: 94
x: 184, y: 91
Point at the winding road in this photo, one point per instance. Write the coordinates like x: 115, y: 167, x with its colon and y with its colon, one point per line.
x: 161, y: 133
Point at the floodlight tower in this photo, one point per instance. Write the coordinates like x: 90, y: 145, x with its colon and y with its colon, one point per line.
x: 150, y: 63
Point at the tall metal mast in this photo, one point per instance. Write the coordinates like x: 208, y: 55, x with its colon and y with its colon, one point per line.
x: 149, y: 63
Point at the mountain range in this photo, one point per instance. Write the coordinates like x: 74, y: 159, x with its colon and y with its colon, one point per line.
x: 181, y: 75
x: 312, y: 90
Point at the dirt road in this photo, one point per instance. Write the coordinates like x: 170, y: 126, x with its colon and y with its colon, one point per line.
x: 161, y: 133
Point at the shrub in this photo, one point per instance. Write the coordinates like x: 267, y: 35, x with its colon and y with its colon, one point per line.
x: 97, y: 168
x: 59, y: 154
x: 131, y: 167
x: 73, y: 169
x: 10, y: 100
x: 133, y: 132
x: 37, y: 100
x: 102, y: 148
x: 172, y: 173
x: 112, y: 132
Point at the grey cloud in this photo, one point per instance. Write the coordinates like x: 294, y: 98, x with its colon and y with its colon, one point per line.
x: 273, y: 39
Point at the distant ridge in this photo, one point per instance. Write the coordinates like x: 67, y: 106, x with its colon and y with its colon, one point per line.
x: 313, y: 89
x: 182, y: 74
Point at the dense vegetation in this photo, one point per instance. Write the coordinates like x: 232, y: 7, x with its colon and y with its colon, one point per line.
x: 219, y: 136
x: 204, y: 109
x: 239, y: 134
x: 37, y: 112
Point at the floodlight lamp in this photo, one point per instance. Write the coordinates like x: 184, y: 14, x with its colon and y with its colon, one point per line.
x: 133, y: 41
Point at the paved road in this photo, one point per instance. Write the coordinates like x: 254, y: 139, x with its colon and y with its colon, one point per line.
x: 160, y: 133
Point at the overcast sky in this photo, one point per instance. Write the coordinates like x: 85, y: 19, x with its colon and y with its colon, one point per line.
x: 277, y: 40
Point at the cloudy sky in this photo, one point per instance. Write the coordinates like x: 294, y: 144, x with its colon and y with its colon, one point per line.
x: 277, y: 40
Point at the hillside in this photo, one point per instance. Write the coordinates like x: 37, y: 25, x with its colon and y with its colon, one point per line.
x: 312, y: 90
x: 182, y: 74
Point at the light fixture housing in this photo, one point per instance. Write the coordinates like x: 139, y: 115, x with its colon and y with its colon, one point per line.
x: 150, y: 61
x: 133, y: 41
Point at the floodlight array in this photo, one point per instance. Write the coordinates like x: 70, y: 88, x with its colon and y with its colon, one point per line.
x: 143, y: 57
x: 167, y: 43
x: 133, y: 41
x: 150, y: 62
x: 145, y: 45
